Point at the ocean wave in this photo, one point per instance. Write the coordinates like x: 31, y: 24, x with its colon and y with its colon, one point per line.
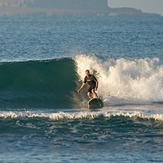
x: 53, y: 83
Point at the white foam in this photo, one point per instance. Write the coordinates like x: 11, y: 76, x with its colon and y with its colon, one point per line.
x: 137, y: 80
x: 80, y: 115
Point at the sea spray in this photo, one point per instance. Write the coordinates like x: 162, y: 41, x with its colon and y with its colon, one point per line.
x: 137, y: 79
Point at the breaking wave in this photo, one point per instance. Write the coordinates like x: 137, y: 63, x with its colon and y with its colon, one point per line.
x: 53, y: 83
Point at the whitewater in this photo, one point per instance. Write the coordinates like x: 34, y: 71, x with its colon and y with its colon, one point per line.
x: 138, y: 79
x: 42, y: 65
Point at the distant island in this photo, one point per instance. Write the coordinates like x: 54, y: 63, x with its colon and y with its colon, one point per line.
x: 64, y: 7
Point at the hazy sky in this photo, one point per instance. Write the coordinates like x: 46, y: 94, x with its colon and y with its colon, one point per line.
x: 152, y: 6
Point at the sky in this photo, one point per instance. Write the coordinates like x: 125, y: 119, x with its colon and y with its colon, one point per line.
x: 150, y: 6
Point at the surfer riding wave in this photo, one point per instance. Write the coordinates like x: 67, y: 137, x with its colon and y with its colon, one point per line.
x: 93, y: 83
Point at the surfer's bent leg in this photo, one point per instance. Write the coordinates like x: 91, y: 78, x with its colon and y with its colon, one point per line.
x: 94, y: 93
x: 89, y: 94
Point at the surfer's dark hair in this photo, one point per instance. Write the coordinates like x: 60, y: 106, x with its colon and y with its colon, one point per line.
x: 87, y: 71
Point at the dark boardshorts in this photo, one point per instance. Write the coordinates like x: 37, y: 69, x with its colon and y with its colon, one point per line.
x: 91, y: 87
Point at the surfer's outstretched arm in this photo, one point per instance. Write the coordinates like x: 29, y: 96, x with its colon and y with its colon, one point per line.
x: 82, y: 86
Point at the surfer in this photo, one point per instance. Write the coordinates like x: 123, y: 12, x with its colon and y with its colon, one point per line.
x: 93, y: 83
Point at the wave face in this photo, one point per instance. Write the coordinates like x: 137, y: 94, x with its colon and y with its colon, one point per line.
x: 37, y: 83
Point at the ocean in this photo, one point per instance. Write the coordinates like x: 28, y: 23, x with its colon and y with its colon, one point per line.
x: 42, y: 65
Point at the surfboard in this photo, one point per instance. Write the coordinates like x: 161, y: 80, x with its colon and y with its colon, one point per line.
x: 95, y: 103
